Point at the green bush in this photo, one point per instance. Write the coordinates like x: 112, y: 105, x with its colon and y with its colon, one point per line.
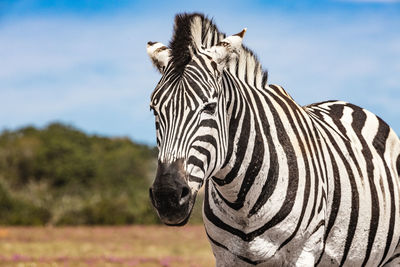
x: 51, y: 176
x: 17, y: 212
x: 61, y: 176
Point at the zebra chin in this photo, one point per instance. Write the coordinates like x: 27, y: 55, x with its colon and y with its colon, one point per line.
x: 173, y: 215
x: 177, y: 221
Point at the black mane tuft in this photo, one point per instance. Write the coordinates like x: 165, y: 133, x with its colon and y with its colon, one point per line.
x: 192, y: 31
x: 182, y: 39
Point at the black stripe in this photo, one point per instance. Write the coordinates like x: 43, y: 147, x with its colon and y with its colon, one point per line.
x: 207, y: 139
x: 264, y: 79
x: 213, y: 39
x: 245, y: 72
x: 306, y: 192
x: 359, y: 118
x: 233, y: 124
x: 238, y: 256
x: 241, y: 147
x: 205, y: 152
x: 379, y: 140
x: 209, y: 123
x: 237, y: 67
x: 273, y: 171
x: 398, y: 166
x: 195, y: 161
x: 318, y: 114
x: 194, y: 86
x: 319, y: 225
x: 395, y: 256
x: 322, y: 201
x: 313, y: 140
x: 269, y: 185
x: 289, y: 200
x: 251, y: 173
x: 335, y: 199
x: 202, y: 69
x: 308, y: 139
x: 191, y: 126
x: 195, y: 179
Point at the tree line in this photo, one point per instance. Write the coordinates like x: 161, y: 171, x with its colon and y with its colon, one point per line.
x: 59, y: 175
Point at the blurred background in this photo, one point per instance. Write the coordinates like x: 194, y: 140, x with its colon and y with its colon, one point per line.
x: 76, y: 134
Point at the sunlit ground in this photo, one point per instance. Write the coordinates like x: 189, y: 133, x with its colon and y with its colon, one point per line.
x: 105, y: 246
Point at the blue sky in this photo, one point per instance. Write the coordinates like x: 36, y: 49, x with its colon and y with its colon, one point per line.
x: 85, y: 63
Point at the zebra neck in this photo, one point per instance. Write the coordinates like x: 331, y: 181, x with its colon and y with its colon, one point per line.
x: 255, y: 128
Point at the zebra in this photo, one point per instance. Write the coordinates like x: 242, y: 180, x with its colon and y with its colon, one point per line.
x: 285, y: 185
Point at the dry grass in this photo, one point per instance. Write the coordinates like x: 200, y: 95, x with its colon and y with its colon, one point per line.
x: 105, y: 246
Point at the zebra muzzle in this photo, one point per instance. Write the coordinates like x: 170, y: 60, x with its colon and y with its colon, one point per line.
x: 170, y: 194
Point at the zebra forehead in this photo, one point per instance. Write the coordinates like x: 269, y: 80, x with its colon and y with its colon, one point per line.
x: 188, y: 86
x: 186, y: 98
x: 178, y: 98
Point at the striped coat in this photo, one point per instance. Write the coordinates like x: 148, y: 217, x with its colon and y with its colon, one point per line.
x: 285, y: 185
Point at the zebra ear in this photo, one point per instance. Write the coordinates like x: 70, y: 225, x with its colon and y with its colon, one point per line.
x: 228, y: 47
x: 159, y: 55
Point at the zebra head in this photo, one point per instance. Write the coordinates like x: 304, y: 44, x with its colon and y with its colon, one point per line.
x: 191, y: 123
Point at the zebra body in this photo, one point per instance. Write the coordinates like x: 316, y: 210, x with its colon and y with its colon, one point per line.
x: 285, y: 185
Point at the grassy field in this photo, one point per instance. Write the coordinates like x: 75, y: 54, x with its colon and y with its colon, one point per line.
x: 105, y: 246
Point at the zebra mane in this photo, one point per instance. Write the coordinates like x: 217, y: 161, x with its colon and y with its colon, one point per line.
x: 196, y: 30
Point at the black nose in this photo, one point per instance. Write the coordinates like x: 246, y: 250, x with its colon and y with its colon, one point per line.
x: 170, y: 193
x: 170, y: 198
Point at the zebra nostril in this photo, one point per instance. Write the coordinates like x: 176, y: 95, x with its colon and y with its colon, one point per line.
x: 184, y: 196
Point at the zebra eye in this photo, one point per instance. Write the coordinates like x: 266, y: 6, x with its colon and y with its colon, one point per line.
x: 210, y: 108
